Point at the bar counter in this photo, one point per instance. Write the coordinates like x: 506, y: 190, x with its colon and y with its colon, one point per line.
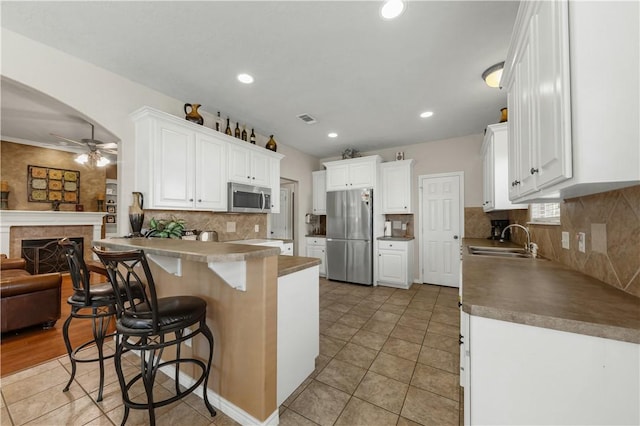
x: 243, y: 291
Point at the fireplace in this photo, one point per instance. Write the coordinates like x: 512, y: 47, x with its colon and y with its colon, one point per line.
x: 44, y: 255
x: 16, y: 226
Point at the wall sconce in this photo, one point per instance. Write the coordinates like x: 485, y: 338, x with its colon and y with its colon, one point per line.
x: 493, y: 74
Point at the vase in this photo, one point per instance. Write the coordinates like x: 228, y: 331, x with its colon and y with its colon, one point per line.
x: 271, y: 144
x: 136, y: 214
x: 192, y: 114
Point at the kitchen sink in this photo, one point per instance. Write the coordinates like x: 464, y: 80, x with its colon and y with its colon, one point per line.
x: 508, y: 252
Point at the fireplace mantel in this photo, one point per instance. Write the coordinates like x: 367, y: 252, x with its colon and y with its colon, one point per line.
x: 32, y: 218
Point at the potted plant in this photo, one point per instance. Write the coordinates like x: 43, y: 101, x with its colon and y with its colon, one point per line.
x: 164, y: 228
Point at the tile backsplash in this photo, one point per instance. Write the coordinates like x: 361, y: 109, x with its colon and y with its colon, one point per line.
x: 207, y: 221
x: 611, y: 223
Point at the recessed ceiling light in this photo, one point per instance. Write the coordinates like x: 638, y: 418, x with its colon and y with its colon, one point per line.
x: 245, y: 78
x: 333, y: 135
x: 426, y: 114
x: 392, y: 9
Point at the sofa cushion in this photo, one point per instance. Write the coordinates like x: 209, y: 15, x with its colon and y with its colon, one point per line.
x: 29, y: 284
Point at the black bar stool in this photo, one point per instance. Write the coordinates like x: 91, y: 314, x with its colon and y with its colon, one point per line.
x: 99, y: 299
x: 151, y: 325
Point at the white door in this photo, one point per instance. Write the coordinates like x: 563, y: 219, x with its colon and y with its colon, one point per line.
x: 281, y: 222
x: 441, y: 228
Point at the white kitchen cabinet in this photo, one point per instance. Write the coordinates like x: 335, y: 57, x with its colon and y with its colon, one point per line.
x: 183, y: 166
x: 565, y: 139
x: 540, y: 115
x: 495, y: 170
x: 397, y: 186
x: 316, y: 247
x: 287, y: 249
x: 395, y: 263
x: 249, y: 167
x: 353, y: 173
x: 560, y: 377
x: 319, y: 192
x: 187, y: 169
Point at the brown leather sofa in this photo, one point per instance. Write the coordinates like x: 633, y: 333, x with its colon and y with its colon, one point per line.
x: 26, y: 299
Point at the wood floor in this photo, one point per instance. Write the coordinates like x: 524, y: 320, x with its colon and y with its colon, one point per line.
x: 32, y: 346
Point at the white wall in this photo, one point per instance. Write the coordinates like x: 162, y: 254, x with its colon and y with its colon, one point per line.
x: 108, y: 99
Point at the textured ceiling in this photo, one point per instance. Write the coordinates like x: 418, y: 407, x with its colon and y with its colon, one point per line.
x: 360, y: 76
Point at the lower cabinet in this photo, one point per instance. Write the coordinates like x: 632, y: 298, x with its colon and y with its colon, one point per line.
x: 287, y: 249
x: 395, y: 263
x: 316, y: 247
x: 521, y: 374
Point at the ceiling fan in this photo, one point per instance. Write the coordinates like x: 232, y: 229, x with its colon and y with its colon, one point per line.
x: 96, y: 147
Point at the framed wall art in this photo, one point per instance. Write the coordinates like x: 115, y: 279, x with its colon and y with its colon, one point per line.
x: 46, y: 185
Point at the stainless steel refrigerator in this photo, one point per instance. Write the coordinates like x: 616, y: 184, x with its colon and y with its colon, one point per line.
x: 350, y: 236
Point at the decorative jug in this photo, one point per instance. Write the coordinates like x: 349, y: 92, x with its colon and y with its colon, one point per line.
x: 192, y: 114
x: 271, y: 144
x: 136, y: 214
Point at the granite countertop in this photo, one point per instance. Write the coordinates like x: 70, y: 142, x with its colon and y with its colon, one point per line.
x: 198, y: 251
x: 290, y: 264
x: 395, y: 238
x: 546, y: 294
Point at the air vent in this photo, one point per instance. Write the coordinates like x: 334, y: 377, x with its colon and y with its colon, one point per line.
x: 307, y: 118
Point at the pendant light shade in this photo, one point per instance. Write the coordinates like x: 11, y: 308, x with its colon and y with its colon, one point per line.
x: 492, y: 75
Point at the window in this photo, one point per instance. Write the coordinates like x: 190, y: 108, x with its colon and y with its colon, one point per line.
x: 547, y: 213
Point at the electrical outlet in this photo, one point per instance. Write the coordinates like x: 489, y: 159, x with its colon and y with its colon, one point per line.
x: 404, y: 226
x: 231, y: 227
x: 256, y: 228
x: 565, y: 240
x: 581, y: 242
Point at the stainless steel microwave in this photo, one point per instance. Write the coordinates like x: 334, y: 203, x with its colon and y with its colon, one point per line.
x: 249, y: 199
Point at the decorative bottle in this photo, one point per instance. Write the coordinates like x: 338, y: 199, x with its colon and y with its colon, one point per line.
x: 228, y: 129
x: 237, y: 131
x: 218, y: 122
x: 193, y: 114
x: 244, y: 133
x: 252, y: 138
x: 271, y: 144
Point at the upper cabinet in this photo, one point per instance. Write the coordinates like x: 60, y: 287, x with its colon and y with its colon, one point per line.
x: 248, y: 166
x: 397, y: 186
x: 495, y: 166
x: 565, y: 138
x: 353, y: 173
x: 319, y: 192
x: 184, y: 166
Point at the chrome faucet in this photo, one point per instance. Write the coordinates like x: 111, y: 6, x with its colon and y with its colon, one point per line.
x: 528, y: 247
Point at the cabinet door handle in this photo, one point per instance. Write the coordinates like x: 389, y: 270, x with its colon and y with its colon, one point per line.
x: 461, y: 339
x: 248, y: 177
x: 455, y: 237
x: 533, y: 171
x: 253, y: 178
x: 190, y: 199
x: 515, y: 183
x: 199, y: 200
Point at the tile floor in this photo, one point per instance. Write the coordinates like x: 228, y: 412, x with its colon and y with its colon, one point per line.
x: 387, y: 357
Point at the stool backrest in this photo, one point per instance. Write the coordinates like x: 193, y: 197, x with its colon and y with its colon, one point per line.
x: 132, y: 283
x: 77, y: 268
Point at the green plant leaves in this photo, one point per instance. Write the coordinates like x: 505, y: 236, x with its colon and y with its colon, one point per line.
x: 166, y: 228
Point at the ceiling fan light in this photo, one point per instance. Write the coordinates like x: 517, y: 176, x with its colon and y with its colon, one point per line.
x: 82, y: 158
x: 493, y: 74
x: 392, y: 9
x: 103, y: 161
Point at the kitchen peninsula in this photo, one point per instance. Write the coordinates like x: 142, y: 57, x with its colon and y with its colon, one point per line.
x: 263, y: 313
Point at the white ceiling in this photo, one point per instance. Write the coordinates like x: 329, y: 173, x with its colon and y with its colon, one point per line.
x: 360, y: 76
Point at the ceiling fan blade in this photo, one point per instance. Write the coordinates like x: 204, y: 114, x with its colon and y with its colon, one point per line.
x: 109, y: 145
x: 67, y: 139
x: 109, y: 151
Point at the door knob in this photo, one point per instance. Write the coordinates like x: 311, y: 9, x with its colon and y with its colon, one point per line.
x: 533, y: 171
